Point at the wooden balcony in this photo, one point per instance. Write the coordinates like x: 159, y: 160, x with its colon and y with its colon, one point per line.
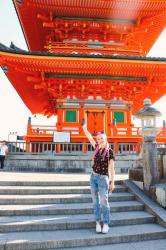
x: 38, y: 133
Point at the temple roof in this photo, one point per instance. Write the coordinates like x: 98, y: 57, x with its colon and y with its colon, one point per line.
x: 43, y: 80
x: 127, y: 26
x: 16, y: 50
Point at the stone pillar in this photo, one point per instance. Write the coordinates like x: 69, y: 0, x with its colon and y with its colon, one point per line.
x: 164, y: 166
x: 150, y: 169
x: 148, y: 116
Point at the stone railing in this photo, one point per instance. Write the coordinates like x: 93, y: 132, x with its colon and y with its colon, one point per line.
x: 161, y: 149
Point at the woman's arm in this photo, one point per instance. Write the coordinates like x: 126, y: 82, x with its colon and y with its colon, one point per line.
x: 111, y: 172
x: 88, y: 135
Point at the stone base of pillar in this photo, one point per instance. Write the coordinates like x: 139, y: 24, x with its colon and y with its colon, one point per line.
x: 136, y: 171
x: 158, y: 194
x: 136, y: 174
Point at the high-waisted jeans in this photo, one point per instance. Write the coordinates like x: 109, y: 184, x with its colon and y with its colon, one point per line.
x: 100, y: 192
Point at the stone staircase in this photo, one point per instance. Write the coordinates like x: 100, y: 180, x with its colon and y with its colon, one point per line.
x: 59, y: 215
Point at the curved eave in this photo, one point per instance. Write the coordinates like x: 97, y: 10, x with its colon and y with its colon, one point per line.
x: 51, y: 61
x: 13, y: 50
x: 26, y: 40
x: 32, y: 30
x: 19, y: 66
x: 118, y: 9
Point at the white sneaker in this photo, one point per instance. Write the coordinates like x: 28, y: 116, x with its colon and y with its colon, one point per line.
x: 98, y: 227
x: 105, y: 229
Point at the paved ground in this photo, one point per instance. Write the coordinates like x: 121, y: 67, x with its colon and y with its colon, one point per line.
x: 26, y: 176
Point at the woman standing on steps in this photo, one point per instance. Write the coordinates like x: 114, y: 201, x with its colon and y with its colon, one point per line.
x: 102, y: 169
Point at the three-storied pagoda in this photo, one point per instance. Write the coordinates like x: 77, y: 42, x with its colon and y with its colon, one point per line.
x: 87, y: 59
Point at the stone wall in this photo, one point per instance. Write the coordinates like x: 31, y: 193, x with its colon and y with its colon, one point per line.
x: 59, y: 163
x: 157, y: 191
x: 160, y: 193
x: 164, y: 166
x: 162, y: 162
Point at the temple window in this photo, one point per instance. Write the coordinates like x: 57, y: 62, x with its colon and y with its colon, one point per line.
x: 70, y: 116
x: 118, y: 117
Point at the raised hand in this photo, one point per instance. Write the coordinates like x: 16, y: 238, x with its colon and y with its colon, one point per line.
x: 83, y: 122
x: 88, y: 135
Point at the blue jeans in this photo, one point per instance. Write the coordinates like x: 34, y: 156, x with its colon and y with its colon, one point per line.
x: 100, y: 191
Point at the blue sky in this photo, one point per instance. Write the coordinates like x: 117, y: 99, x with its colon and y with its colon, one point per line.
x: 14, y: 114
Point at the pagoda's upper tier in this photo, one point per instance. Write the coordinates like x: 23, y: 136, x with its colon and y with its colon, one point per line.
x: 106, y: 26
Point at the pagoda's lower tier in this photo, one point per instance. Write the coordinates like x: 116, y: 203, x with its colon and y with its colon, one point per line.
x: 115, y: 122
x: 106, y: 90
x: 44, y: 81
x: 111, y: 117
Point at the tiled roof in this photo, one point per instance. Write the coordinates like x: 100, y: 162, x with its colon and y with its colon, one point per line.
x: 15, y: 49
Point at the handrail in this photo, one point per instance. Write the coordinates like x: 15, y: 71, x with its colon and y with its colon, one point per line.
x: 123, y: 131
x: 23, y: 148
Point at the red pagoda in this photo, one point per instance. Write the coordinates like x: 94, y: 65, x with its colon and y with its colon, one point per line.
x: 87, y: 59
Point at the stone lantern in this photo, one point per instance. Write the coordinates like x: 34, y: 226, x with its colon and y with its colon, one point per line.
x: 148, y: 116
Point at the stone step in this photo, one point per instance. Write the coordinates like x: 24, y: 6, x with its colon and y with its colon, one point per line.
x: 62, y: 198
x: 66, y: 209
x: 32, y: 190
x: 79, y: 238
x: 66, y: 222
x: 144, y: 245
x: 50, y: 183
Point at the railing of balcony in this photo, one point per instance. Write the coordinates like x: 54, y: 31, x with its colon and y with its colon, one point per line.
x: 41, y: 131
x: 68, y: 148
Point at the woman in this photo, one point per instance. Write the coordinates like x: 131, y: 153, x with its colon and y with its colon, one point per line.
x: 103, y: 168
